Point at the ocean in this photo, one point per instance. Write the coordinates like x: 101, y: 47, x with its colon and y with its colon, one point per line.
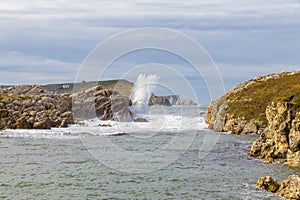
x: 172, y: 156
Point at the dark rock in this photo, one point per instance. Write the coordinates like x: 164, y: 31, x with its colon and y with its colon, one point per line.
x: 140, y: 120
x: 44, y: 124
x: 268, y: 184
x: 3, y: 113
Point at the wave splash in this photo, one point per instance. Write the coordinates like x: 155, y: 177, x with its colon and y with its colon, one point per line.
x: 141, y: 93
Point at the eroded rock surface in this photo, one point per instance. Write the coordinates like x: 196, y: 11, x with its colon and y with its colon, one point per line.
x: 289, y: 188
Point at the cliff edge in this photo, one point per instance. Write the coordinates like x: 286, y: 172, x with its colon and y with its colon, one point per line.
x: 268, y: 106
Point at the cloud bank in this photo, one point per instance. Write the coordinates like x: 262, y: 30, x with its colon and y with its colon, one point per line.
x: 46, y: 41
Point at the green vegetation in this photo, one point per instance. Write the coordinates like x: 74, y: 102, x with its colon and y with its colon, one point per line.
x: 122, y: 86
x: 21, y: 98
x: 252, y: 101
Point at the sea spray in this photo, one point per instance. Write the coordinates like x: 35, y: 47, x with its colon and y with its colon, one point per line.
x: 140, y: 94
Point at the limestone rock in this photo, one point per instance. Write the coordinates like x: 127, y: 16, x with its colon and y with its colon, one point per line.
x: 105, y: 104
x: 169, y: 100
x: 280, y: 140
x: 22, y: 123
x: 290, y: 188
x: 3, y: 113
x: 293, y: 158
x: 44, y: 124
x: 268, y: 184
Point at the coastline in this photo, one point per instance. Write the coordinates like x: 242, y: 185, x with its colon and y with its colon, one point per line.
x: 36, y: 102
x: 269, y: 107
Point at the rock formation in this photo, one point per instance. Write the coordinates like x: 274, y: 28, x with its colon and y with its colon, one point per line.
x: 289, y: 188
x: 242, y: 109
x: 268, y: 106
x: 28, y: 106
x: 268, y: 184
x: 105, y: 104
x: 281, y: 138
x: 171, y: 100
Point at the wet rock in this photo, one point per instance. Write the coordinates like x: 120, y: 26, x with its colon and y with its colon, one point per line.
x: 3, y: 113
x: 140, y: 120
x: 290, y: 188
x: 268, y: 184
x: 105, y: 104
x: 22, y: 123
x: 293, y: 158
x: 44, y: 124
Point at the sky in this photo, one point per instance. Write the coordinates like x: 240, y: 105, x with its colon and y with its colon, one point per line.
x: 46, y: 41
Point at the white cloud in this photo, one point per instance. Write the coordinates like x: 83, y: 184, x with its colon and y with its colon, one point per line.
x: 56, y: 35
x: 17, y: 67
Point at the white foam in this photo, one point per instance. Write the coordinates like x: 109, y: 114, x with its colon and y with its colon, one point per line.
x: 141, y: 92
x: 157, y: 124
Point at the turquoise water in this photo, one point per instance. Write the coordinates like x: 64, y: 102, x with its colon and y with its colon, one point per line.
x: 66, y: 168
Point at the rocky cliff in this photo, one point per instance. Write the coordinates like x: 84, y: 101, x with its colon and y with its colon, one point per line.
x: 30, y: 107
x: 281, y: 138
x: 171, y: 100
x: 105, y: 104
x: 289, y: 188
x: 268, y: 106
x: 242, y: 109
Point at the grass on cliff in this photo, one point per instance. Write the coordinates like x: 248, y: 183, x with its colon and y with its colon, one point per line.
x: 122, y: 86
x: 21, y: 98
x: 251, y: 102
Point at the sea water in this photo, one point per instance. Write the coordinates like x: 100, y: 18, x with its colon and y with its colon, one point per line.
x: 69, y: 163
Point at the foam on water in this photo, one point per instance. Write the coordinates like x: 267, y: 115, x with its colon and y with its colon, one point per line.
x: 157, y: 123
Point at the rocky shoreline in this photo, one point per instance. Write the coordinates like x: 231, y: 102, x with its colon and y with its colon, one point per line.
x: 270, y: 107
x: 35, y: 107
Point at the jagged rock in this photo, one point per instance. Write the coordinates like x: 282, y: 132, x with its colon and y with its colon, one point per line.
x: 169, y: 100
x: 293, y: 158
x: 103, y: 103
x: 44, y: 124
x: 249, y: 100
x: 281, y: 139
x: 159, y: 100
x: 22, y: 123
x: 290, y: 188
x: 3, y: 113
x: 268, y: 184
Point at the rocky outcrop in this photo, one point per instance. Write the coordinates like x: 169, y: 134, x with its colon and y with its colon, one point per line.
x: 242, y: 109
x: 281, y: 138
x: 28, y: 106
x: 159, y: 100
x: 172, y: 100
x: 268, y: 184
x: 105, y: 104
x: 289, y: 188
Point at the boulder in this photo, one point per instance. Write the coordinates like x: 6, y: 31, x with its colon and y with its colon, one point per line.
x: 3, y: 113
x: 44, y: 124
x: 22, y: 123
x: 268, y: 184
x: 290, y: 188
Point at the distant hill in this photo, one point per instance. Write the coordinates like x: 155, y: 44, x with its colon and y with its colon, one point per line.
x: 122, y: 86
